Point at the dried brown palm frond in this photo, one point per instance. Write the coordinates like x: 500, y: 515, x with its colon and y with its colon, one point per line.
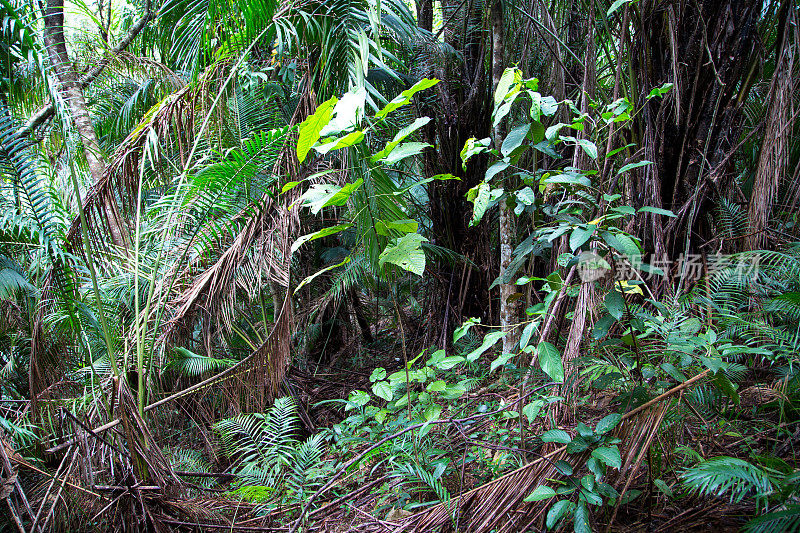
x: 773, y: 161
x: 173, y: 116
x: 499, y: 505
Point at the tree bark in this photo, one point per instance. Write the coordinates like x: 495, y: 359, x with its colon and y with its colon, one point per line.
x: 509, y: 297
x: 72, y: 93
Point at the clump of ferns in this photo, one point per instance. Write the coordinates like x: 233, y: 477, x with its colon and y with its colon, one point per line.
x: 187, y: 460
x: 271, y: 464
x: 773, y: 486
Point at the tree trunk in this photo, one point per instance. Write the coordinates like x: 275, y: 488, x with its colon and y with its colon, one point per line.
x: 460, y: 112
x: 509, y: 296
x: 72, y: 94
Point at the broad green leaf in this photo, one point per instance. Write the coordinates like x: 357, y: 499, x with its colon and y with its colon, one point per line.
x: 473, y: 147
x: 405, y: 150
x: 660, y: 91
x: 581, y: 235
x: 382, y: 389
x: 377, y: 374
x: 399, y: 137
x: 405, y: 97
x: 531, y: 410
x: 436, y: 386
x: 556, y: 435
x: 500, y: 361
x: 616, y: 5
x: 406, y: 225
x: 514, y: 139
x: 630, y: 166
x: 322, y: 195
x: 348, y: 140
x: 488, y: 341
x: 527, y: 332
x: 495, y: 169
x: 542, y: 492
x: 550, y: 361
x: 359, y: 398
x: 615, y: 303
x: 581, y: 519
x: 479, y: 196
x: 589, y: 147
x: 324, y: 232
x: 449, y: 362
x: 506, y: 80
x: 608, y: 455
x: 657, y: 211
x: 347, y: 113
x: 405, y: 252
x: 432, y: 412
x: 558, y: 511
x: 608, y: 423
x: 311, y: 127
x: 464, y: 328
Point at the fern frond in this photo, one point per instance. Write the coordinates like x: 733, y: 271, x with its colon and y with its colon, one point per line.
x: 728, y: 475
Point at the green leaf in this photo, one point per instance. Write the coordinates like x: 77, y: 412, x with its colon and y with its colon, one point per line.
x: 382, y: 389
x: 514, y: 139
x: 405, y: 97
x: 581, y: 524
x: 657, y: 211
x: 663, y: 487
x: 615, y: 303
x: 631, y: 166
x: 531, y: 410
x: 488, y: 341
x: 405, y: 150
x: 556, y: 435
x: 542, y: 492
x: 616, y: 5
x: 348, y: 140
x: 432, y: 412
x: 436, y: 386
x: 660, y: 91
x: 500, y: 361
x: 580, y: 235
x: 608, y: 423
x: 377, y: 374
x: 322, y: 195
x: 550, y: 360
x: 405, y: 252
x: 480, y: 199
x: 589, y: 147
x: 608, y: 455
x: 473, y: 147
x: 449, y: 362
x: 399, y: 137
x: 359, y: 398
x: 324, y: 232
x: 347, y: 113
x: 506, y: 80
x: 464, y: 328
x: 406, y: 225
x: 558, y: 511
x: 311, y: 278
x: 525, y: 338
x: 310, y: 128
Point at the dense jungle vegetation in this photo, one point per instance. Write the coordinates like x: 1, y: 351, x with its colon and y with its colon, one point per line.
x: 382, y: 265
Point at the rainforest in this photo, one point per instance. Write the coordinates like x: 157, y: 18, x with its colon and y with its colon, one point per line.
x: 386, y: 266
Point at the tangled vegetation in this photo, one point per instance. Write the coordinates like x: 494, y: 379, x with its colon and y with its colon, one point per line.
x: 484, y: 266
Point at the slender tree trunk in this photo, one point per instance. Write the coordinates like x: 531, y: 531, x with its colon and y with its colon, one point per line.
x: 72, y: 93
x: 509, y: 297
